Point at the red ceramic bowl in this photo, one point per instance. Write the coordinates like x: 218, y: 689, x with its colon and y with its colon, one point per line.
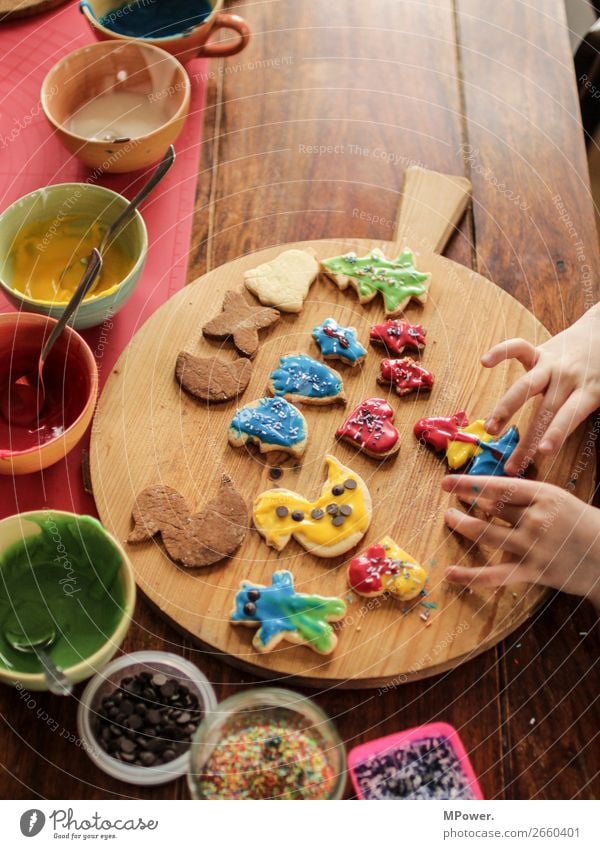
x: 71, y: 381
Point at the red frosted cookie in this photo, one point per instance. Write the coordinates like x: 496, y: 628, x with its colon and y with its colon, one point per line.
x: 370, y: 428
x: 396, y: 335
x: 405, y: 375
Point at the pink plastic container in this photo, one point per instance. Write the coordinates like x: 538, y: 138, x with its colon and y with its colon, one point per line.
x: 386, y: 747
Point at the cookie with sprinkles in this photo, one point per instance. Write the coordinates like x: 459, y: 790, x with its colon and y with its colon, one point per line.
x: 281, y: 613
x: 396, y: 335
x: 301, y: 378
x: 405, y: 375
x: 339, y: 343
x: 331, y: 525
x: 398, y: 280
x: 386, y: 568
x: 370, y: 428
x: 271, y: 423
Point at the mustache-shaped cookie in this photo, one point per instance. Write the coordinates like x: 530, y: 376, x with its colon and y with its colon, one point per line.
x: 331, y: 525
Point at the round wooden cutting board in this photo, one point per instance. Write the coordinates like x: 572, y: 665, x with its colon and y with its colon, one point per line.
x: 148, y: 431
x: 12, y: 9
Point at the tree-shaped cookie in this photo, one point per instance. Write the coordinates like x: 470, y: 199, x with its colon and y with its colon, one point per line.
x: 240, y: 322
x: 398, y: 280
x: 280, y: 613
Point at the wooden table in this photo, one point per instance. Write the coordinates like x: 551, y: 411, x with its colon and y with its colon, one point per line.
x: 307, y: 135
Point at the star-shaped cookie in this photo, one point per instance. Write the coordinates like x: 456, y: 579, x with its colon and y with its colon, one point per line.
x: 241, y: 322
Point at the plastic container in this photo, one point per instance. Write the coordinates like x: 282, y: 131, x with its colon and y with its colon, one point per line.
x: 313, y: 769
x: 386, y: 747
x: 101, y: 685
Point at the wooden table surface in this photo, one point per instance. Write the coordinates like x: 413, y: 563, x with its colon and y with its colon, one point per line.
x: 307, y: 134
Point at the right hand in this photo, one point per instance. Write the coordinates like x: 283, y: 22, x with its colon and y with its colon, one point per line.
x: 565, y: 371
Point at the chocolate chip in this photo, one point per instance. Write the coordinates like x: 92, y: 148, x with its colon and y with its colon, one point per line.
x: 345, y: 510
x: 147, y: 732
x: 297, y: 515
x: 253, y: 595
x: 126, y: 745
x: 350, y: 483
x: 338, y: 520
x: 317, y: 513
x: 338, y: 489
x: 249, y: 608
x: 282, y: 511
x: 332, y: 509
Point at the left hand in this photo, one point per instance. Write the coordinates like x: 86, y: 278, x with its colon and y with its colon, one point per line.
x: 550, y: 537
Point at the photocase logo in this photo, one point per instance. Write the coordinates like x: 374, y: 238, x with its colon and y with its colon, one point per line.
x: 32, y: 822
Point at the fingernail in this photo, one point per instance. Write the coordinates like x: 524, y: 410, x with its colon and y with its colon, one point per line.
x: 492, y: 425
x: 485, y: 359
x: 450, y: 573
x: 545, y: 445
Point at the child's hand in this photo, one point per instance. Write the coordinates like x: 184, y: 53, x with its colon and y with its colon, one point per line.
x: 552, y: 538
x: 565, y: 370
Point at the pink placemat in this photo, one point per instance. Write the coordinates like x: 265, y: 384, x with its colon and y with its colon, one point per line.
x: 31, y: 156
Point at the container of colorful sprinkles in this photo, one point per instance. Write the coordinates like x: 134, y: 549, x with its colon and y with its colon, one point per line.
x: 427, y: 762
x: 267, y: 743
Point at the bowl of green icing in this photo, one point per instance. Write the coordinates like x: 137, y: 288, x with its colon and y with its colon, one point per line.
x: 63, y: 575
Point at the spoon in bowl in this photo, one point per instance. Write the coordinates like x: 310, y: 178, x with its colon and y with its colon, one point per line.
x: 22, y: 400
x: 57, y: 681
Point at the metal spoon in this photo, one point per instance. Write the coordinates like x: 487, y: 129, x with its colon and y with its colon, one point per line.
x: 57, y: 681
x: 161, y: 169
x: 22, y: 400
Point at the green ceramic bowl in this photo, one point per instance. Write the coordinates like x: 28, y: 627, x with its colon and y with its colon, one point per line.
x: 64, y: 575
x: 92, y: 203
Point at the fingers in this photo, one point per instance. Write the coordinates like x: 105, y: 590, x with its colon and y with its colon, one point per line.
x: 487, y: 576
x: 497, y: 509
x: 526, y: 387
x: 484, y: 533
x: 517, y: 492
x: 556, y: 396
x: 574, y: 410
x: 517, y: 349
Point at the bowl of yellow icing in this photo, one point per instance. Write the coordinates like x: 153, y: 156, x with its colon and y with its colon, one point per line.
x: 45, y: 240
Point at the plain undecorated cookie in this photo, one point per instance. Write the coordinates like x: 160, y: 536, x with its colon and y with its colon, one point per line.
x: 240, y: 321
x: 211, y: 378
x: 285, y: 281
x: 192, y: 540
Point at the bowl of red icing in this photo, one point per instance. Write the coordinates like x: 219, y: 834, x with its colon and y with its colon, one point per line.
x: 71, y: 384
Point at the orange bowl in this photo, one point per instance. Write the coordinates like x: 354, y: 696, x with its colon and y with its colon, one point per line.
x: 117, y: 106
x: 71, y: 381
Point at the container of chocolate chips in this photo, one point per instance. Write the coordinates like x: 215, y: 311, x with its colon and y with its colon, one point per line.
x: 137, y: 717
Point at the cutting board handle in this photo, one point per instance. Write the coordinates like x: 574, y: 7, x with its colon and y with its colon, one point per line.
x: 431, y: 207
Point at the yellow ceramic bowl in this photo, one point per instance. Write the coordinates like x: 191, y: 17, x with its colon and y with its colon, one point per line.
x: 117, y: 106
x: 75, y: 576
x: 71, y: 381
x: 92, y: 205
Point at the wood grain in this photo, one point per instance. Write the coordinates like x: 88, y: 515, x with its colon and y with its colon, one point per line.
x: 525, y: 147
x: 384, y: 76
x: 146, y: 432
x: 13, y: 9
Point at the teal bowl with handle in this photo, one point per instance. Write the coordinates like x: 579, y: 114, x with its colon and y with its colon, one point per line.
x: 56, y: 204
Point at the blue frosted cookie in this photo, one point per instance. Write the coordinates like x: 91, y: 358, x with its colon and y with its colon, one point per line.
x: 300, y: 378
x: 271, y: 423
x: 339, y: 343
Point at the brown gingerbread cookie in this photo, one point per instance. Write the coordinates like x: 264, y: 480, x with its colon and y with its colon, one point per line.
x: 192, y: 540
x: 241, y: 322
x: 211, y: 378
